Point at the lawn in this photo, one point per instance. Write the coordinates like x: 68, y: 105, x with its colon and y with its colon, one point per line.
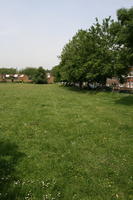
x: 58, y: 143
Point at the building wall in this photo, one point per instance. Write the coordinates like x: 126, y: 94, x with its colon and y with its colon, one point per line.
x: 129, y: 79
x: 11, y: 78
x: 112, y: 81
x: 127, y: 84
x: 2, y: 78
x: 50, y: 79
x: 24, y: 79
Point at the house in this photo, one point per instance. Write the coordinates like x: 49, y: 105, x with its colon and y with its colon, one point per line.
x: 112, y: 82
x: 14, y: 78
x: 50, y: 78
x: 8, y: 77
x: 129, y: 79
x: 24, y: 78
x: 128, y: 83
x: 2, y: 78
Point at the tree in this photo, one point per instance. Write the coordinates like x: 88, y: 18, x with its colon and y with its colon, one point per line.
x: 29, y: 71
x: 40, y: 76
x: 87, y: 57
x: 56, y: 73
x: 8, y: 71
x: 106, y: 60
x: 74, y: 56
x: 125, y: 32
x: 96, y: 54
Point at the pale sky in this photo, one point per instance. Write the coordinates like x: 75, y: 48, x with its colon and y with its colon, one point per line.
x: 33, y: 32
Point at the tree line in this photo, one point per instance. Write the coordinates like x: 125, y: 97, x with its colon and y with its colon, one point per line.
x: 37, y: 75
x: 105, y: 50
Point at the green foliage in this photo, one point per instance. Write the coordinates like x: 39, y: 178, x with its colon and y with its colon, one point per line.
x: 88, y: 56
x: 103, y: 51
x: 8, y: 71
x: 74, y: 56
x: 125, y: 20
x: 29, y: 71
x: 40, y: 76
x: 108, y: 58
x: 56, y: 73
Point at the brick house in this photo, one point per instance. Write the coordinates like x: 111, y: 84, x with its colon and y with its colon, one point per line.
x: 50, y: 78
x: 127, y: 84
x: 2, y: 78
x: 129, y: 79
x: 112, y: 81
x: 24, y: 78
x: 14, y: 78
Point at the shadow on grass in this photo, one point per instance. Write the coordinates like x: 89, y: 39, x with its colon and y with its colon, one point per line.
x: 86, y: 90
x: 9, y: 157
x: 80, y: 90
x: 127, y: 100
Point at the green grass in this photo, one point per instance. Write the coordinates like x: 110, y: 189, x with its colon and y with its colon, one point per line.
x: 57, y: 143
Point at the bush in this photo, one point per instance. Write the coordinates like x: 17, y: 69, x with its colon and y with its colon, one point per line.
x: 40, y: 76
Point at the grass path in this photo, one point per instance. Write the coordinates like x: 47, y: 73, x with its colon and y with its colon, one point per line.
x: 58, y: 143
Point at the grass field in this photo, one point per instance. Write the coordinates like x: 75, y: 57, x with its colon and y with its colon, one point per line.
x: 57, y: 143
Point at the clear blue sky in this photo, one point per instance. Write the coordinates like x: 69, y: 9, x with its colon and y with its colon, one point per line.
x: 33, y: 32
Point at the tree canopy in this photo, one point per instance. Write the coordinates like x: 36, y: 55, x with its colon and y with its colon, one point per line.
x: 40, y: 76
x: 8, y: 71
x: 56, y: 73
x: 125, y: 20
x: 103, y: 51
x: 29, y: 71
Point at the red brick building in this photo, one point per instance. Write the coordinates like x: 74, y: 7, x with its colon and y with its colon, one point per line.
x: 129, y: 79
x: 127, y: 84
x: 14, y: 78
x: 22, y: 78
x: 50, y: 78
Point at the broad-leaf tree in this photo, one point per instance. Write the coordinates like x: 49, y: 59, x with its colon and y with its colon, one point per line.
x: 29, y: 71
x: 40, y: 76
x: 103, y: 51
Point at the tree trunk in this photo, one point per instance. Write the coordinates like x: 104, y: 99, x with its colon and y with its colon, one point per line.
x: 80, y: 84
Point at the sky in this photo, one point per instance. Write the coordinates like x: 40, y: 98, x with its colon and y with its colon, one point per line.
x: 33, y: 32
